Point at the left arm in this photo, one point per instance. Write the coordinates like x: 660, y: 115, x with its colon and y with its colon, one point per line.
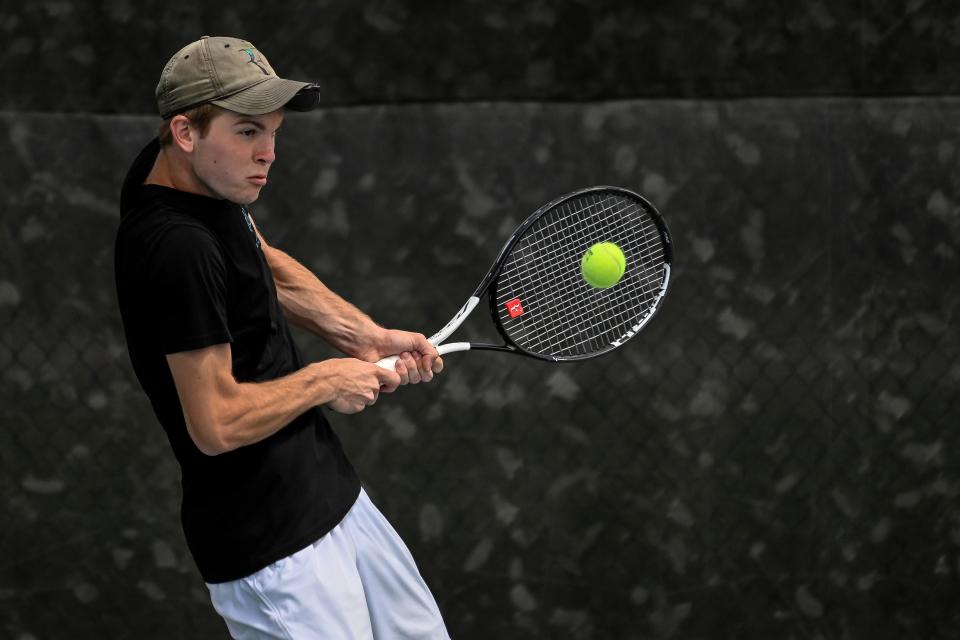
x: 310, y: 305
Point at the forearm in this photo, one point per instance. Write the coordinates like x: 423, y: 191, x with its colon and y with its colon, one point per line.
x: 222, y: 414
x: 252, y: 411
x: 310, y: 305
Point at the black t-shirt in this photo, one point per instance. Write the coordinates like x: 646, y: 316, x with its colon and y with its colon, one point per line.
x: 190, y: 273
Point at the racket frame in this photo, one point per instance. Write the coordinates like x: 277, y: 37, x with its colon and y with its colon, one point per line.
x: 489, y: 284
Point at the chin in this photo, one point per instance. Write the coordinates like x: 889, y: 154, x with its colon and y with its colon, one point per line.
x: 247, y: 198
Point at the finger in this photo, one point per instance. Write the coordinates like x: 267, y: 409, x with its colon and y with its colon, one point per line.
x: 424, y: 346
x: 426, y: 367
x: 356, y: 406
x: 389, y: 380
x: 367, y: 398
x: 438, y: 365
x: 413, y: 371
x: 403, y: 371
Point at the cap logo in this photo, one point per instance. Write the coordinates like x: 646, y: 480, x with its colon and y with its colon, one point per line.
x: 255, y: 59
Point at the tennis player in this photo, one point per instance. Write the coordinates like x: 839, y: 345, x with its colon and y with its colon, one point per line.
x: 274, y: 515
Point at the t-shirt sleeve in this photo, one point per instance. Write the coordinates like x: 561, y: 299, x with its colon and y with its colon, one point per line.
x: 189, y: 291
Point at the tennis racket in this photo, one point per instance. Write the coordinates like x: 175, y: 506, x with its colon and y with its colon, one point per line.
x: 539, y: 301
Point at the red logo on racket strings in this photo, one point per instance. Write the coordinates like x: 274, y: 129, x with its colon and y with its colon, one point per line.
x: 514, y: 308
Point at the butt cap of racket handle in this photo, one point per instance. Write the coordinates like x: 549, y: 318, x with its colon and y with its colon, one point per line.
x: 390, y: 362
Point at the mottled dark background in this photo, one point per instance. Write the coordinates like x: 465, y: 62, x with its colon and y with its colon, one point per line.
x: 775, y: 456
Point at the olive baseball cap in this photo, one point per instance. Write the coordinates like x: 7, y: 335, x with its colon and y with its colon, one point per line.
x: 230, y: 73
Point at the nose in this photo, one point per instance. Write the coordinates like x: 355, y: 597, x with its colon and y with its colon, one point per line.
x: 266, y: 153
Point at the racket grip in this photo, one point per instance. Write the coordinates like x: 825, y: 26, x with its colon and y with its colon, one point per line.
x: 390, y: 362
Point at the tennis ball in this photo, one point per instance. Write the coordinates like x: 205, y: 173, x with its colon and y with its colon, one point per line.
x: 603, y: 265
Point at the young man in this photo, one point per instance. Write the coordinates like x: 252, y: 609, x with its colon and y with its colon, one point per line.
x: 273, y: 513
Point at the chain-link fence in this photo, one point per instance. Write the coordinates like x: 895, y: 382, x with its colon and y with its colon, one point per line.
x: 772, y: 457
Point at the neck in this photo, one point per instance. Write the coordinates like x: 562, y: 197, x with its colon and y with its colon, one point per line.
x: 167, y: 171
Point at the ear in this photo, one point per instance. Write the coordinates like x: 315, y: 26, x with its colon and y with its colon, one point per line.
x: 184, y: 135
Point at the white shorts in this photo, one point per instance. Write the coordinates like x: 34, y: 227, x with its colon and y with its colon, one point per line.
x: 358, y: 581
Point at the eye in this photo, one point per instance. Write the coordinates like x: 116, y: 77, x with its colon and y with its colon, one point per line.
x: 249, y: 133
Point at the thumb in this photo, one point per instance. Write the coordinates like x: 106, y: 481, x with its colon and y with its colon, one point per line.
x: 389, y: 380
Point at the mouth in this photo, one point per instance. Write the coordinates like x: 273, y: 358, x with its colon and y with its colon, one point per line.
x: 258, y: 180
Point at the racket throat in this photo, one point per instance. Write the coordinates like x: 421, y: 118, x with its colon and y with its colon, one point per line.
x: 455, y: 322
x: 452, y: 347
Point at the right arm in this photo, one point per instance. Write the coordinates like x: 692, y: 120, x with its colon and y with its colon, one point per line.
x: 222, y: 414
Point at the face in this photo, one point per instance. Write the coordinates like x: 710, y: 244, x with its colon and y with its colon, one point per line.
x: 232, y: 161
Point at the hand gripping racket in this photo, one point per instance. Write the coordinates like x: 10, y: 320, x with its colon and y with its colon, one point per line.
x: 539, y: 300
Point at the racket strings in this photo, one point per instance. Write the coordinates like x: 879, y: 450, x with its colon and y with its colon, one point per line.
x: 557, y: 330
x: 563, y: 315
x: 649, y: 249
x: 580, y: 224
x: 609, y: 327
x: 564, y: 327
x: 562, y: 290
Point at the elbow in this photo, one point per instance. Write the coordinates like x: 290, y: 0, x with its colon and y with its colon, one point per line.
x: 211, y: 440
x: 211, y: 449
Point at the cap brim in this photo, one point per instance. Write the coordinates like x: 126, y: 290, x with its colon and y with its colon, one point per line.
x: 270, y: 95
x: 306, y: 99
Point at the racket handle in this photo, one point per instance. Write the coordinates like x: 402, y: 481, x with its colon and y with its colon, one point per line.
x: 390, y: 362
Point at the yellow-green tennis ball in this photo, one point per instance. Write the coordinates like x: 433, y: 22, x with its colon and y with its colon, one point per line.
x: 603, y: 265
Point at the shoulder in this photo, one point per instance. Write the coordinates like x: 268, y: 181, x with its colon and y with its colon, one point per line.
x: 160, y: 226
x: 160, y: 243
